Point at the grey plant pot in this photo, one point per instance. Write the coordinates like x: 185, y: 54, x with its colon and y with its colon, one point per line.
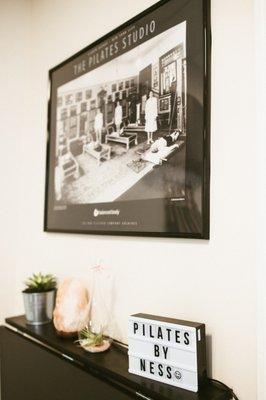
x: 39, y: 307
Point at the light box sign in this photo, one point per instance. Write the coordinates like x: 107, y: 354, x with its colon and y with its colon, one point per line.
x: 167, y: 350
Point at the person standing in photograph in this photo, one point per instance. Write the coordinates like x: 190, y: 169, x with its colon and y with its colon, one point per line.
x: 98, y: 125
x: 118, y: 117
x: 173, y: 113
x: 151, y: 114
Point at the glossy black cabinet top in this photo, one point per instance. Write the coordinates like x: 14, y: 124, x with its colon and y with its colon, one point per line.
x: 111, y: 365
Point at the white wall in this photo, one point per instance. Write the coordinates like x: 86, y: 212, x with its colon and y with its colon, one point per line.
x: 211, y: 281
x: 15, y: 25
x: 261, y: 198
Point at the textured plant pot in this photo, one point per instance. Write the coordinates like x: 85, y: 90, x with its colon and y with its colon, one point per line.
x: 39, y: 307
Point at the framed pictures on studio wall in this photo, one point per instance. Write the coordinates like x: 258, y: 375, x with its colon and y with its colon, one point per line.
x: 129, y: 129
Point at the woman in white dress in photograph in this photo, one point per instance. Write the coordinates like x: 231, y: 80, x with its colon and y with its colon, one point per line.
x: 98, y: 125
x: 151, y: 114
x: 118, y: 117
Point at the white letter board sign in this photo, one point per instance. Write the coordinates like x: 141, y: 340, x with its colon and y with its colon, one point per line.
x: 167, y: 350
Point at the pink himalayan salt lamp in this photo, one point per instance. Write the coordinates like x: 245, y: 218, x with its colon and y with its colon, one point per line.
x: 72, y: 308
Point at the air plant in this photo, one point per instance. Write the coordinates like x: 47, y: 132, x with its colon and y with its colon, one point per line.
x: 89, y: 339
x: 93, y: 342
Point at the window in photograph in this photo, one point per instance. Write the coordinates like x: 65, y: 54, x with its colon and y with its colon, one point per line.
x: 88, y: 94
x: 83, y: 123
x: 78, y: 97
x: 64, y: 114
x: 73, y: 111
x: 83, y: 107
x: 69, y: 99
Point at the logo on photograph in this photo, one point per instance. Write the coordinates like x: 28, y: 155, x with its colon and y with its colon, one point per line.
x: 97, y: 212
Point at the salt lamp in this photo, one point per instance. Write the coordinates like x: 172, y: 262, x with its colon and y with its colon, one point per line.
x: 72, y: 308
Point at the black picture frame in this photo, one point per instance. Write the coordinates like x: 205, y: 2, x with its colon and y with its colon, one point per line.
x: 167, y: 216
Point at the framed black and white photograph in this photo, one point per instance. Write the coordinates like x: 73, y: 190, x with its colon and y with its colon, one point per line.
x: 128, y: 149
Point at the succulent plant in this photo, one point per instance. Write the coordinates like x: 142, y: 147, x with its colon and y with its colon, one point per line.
x: 40, y: 283
x: 89, y: 339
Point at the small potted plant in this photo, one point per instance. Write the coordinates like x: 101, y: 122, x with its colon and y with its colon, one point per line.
x: 39, y: 298
x: 93, y: 342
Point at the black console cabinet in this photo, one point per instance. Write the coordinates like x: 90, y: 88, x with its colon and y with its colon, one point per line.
x: 38, y: 365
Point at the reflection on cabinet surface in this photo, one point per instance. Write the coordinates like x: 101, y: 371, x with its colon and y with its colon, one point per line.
x: 36, y: 364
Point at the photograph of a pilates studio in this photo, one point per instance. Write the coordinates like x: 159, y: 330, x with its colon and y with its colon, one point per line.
x: 121, y: 128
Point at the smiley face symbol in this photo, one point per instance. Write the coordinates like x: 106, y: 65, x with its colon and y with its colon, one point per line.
x: 178, y: 375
